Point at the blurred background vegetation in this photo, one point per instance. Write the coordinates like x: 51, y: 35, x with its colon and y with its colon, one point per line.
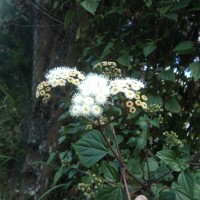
x: 15, y: 82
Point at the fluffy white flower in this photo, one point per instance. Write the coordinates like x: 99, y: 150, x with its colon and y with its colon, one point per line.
x: 94, y: 84
x: 78, y: 99
x: 101, y: 99
x: 115, y: 90
x: 58, y: 73
x: 85, y: 110
x: 54, y: 82
x: 129, y: 94
x: 75, y: 111
x: 88, y: 101
x: 96, y: 110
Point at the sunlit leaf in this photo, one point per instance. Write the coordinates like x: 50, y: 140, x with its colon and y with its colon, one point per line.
x: 90, y: 5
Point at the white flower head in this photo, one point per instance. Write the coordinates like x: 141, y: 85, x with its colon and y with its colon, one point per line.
x: 85, y: 110
x: 101, y: 99
x: 88, y: 101
x: 75, y: 111
x: 129, y: 94
x: 96, y: 110
x: 94, y: 84
x: 78, y: 99
x: 58, y: 73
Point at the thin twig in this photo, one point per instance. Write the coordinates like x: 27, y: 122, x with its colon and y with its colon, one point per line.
x: 123, y: 170
x: 43, y: 12
x: 115, y: 139
x: 110, y: 146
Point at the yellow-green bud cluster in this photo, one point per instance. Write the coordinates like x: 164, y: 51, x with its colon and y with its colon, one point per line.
x: 154, y: 108
x: 108, y: 68
x: 43, y: 90
x: 161, y: 119
x: 89, y: 189
x: 138, y: 101
x: 172, y: 139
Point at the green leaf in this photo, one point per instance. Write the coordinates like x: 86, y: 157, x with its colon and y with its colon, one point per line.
x: 57, y: 176
x: 111, y: 193
x: 148, y: 50
x: 51, y: 157
x: 172, y: 16
x: 90, y: 148
x: 134, y: 166
x: 167, y: 75
x: 167, y: 196
x: 110, y: 172
x: 163, y: 172
x: 157, y: 100
x: 68, y: 18
x: 148, y: 3
x: 155, y: 122
x: 153, y: 165
x: 169, y: 157
x: 184, y: 47
x: 124, y: 59
x: 163, y: 10
x: 141, y: 143
x: 107, y: 49
x: 56, y: 4
x: 187, y: 182
x: 173, y: 106
x: 180, y: 193
x: 90, y: 5
x: 181, y: 4
x: 195, y: 70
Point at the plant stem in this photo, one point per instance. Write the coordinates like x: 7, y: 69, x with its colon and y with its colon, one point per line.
x: 123, y: 171
x: 110, y: 146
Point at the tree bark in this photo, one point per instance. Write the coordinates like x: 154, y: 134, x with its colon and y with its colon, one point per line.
x: 53, y: 46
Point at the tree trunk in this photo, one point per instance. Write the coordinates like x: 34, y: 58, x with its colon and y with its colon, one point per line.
x: 53, y: 46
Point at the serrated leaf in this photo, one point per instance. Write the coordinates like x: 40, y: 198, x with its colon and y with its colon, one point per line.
x: 184, y: 47
x: 195, y: 70
x: 173, y: 106
x: 148, y: 50
x: 163, y: 172
x: 110, y: 172
x: 90, y: 148
x: 167, y: 75
x: 111, y: 193
x: 90, y: 5
x: 187, y: 182
x: 169, y: 157
x: 180, y: 193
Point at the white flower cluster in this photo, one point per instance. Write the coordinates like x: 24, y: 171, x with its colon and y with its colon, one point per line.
x: 93, y: 94
x: 60, y: 75
x: 127, y: 86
